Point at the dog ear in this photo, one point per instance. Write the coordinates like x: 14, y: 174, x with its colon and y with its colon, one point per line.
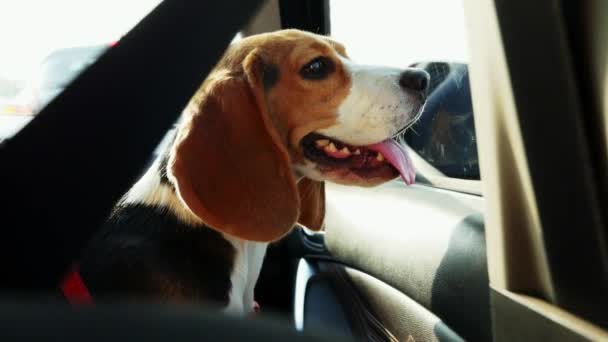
x: 312, y: 203
x: 229, y: 165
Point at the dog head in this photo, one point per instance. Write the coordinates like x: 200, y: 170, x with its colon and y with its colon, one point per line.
x: 281, y: 113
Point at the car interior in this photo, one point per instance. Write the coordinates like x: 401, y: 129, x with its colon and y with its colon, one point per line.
x: 504, y: 236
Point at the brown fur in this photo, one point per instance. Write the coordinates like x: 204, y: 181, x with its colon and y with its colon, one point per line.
x: 312, y: 206
x: 232, y: 162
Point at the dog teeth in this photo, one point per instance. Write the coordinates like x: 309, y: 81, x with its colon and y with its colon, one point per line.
x: 322, y: 143
x: 330, y: 148
x: 357, y: 152
x: 380, y: 157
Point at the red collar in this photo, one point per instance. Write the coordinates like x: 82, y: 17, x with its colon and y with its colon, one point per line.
x: 74, y: 289
x: 77, y: 294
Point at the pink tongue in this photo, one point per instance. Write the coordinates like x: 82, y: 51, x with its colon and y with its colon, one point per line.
x: 397, y: 156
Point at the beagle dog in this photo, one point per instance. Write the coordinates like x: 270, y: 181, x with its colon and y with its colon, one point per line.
x: 281, y: 113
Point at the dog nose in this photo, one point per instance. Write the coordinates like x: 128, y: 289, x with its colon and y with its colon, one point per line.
x: 414, y: 79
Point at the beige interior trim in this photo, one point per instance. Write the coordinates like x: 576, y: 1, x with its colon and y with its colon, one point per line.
x: 516, y: 258
x: 468, y: 186
x: 267, y: 19
x: 558, y: 315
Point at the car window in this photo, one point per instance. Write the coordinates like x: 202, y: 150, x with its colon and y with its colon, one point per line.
x: 61, y: 66
x: 46, y: 44
x: 428, y: 34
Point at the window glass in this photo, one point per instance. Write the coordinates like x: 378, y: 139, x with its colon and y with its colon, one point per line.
x: 46, y: 44
x: 428, y: 34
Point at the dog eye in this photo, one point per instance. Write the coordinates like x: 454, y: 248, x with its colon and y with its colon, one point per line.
x: 317, y: 69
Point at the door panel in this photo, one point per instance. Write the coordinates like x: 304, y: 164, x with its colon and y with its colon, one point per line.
x: 403, y: 316
x: 332, y: 297
x: 427, y: 243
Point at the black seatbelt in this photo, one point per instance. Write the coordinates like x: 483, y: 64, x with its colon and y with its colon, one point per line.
x: 64, y: 171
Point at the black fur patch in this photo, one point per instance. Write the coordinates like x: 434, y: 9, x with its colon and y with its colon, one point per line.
x: 147, y: 253
x: 270, y: 75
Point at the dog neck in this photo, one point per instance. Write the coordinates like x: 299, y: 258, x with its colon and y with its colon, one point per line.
x: 153, y: 189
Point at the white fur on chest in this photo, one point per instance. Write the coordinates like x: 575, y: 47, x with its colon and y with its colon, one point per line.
x: 247, y: 265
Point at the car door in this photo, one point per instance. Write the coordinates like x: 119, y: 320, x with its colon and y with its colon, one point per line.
x: 397, y: 262
x: 408, y: 261
x: 501, y: 257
